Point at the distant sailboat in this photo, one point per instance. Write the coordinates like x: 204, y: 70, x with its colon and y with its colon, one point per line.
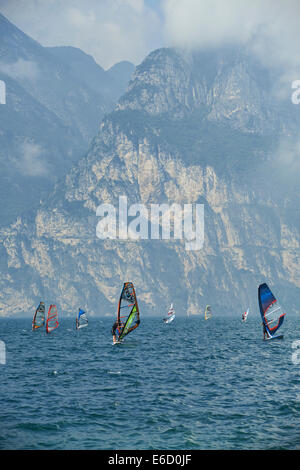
x: 81, y: 319
x: 52, y: 319
x: 171, y: 315
x: 245, y: 315
x: 271, y: 313
x: 208, y: 313
x: 39, y: 317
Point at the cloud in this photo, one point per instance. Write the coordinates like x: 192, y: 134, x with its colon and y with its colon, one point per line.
x: 31, y: 161
x: 287, y: 156
x: 115, y: 30
x: 109, y: 30
x: 270, y: 26
x: 21, y: 69
x: 194, y: 23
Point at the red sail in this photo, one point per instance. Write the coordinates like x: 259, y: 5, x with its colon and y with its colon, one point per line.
x: 52, y: 319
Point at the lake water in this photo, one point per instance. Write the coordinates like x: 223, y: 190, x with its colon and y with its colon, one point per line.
x: 192, y: 384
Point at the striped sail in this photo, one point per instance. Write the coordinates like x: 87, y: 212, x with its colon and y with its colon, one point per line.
x: 39, y: 317
x: 128, y: 312
x: 271, y: 312
x: 52, y: 319
x: 208, y: 313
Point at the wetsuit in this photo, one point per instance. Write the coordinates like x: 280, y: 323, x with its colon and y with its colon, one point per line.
x: 114, y: 327
x: 265, y: 331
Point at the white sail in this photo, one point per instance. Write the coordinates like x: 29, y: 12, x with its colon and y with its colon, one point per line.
x: 171, y: 315
x: 81, y: 320
x: 245, y: 315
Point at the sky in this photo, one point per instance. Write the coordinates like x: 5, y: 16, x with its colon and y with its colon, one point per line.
x: 109, y: 30
x: 115, y: 30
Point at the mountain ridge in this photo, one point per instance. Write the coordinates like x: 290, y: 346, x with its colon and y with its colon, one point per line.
x: 250, y: 237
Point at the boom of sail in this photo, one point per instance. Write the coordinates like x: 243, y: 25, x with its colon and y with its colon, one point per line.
x: 39, y: 317
x: 128, y: 311
x: 52, y: 319
x: 81, y: 320
x: 271, y: 313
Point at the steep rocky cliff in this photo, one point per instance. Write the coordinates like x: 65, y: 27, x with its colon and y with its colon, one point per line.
x: 192, y: 128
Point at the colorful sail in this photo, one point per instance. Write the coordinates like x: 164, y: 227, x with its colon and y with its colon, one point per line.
x: 81, y: 320
x: 171, y: 315
x: 245, y: 315
x: 52, y: 319
x: 271, y: 313
x: 128, y: 312
x: 208, y: 313
x: 39, y: 317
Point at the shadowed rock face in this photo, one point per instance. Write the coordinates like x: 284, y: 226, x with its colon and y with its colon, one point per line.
x: 201, y: 128
x: 55, y: 101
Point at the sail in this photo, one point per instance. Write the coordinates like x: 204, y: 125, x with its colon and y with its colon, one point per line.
x: 39, y: 317
x: 208, y: 313
x: 81, y: 320
x: 128, y: 312
x: 271, y: 313
x: 245, y: 315
x: 52, y: 319
x: 171, y: 315
x: 171, y: 310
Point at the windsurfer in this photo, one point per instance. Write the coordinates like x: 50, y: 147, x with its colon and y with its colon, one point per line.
x: 264, y: 330
x: 113, y: 331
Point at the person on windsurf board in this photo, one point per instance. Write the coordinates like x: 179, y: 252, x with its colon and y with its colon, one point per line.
x: 113, y: 331
x: 271, y: 312
x: 128, y: 315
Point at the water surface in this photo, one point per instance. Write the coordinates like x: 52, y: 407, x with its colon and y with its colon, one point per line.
x: 192, y: 384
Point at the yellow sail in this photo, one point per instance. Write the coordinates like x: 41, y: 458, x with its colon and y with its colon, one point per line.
x: 208, y: 313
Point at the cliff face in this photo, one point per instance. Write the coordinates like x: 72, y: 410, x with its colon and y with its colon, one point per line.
x: 199, y: 128
x: 55, y: 100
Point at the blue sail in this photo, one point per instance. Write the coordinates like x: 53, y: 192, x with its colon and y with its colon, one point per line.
x: 271, y: 312
x: 81, y: 320
x: 81, y: 312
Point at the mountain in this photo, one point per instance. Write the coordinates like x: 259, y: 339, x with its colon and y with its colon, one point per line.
x: 55, y: 101
x: 36, y: 147
x: 119, y: 76
x: 203, y: 128
x: 111, y: 83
